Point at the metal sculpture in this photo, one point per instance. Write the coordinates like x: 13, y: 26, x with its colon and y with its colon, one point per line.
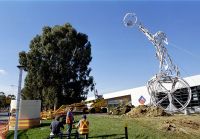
x: 166, y: 88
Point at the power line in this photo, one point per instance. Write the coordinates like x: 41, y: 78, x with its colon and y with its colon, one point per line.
x: 184, y: 50
x: 188, y: 52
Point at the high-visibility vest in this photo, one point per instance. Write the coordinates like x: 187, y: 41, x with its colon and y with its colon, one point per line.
x: 84, y: 127
x: 68, y: 121
x: 69, y: 118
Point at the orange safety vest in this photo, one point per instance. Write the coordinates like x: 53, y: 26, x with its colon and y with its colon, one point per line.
x: 84, y: 127
x: 69, y: 118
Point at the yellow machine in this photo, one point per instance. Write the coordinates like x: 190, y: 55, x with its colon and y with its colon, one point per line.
x: 78, y: 108
x: 98, y: 105
x: 50, y: 114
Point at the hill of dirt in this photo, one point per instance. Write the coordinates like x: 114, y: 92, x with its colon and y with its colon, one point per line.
x: 149, y: 111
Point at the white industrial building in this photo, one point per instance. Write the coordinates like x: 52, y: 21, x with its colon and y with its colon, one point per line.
x: 140, y: 96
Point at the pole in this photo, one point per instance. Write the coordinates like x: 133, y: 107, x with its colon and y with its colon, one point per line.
x: 18, y: 100
x: 126, y: 131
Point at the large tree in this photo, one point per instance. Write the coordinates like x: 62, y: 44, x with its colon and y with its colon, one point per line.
x: 57, y: 66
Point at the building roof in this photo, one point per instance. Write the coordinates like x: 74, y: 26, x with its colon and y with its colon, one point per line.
x: 117, y: 94
x: 192, y: 81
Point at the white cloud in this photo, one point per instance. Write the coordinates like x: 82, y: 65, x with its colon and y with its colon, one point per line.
x: 2, y: 72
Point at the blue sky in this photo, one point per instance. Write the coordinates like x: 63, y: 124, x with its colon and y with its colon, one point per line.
x: 123, y: 58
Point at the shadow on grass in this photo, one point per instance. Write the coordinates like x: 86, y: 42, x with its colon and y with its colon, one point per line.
x: 10, y: 135
x: 43, y: 124
x: 115, y: 136
x: 21, y: 134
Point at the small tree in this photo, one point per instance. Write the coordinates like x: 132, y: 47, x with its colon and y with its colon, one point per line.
x: 2, y: 100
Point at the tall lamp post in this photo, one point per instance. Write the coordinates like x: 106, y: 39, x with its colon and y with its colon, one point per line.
x: 18, y: 99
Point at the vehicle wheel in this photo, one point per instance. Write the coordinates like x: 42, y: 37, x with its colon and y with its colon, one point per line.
x: 85, y: 110
x: 92, y: 110
x: 104, y: 110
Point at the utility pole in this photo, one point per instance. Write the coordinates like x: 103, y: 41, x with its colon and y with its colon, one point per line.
x: 18, y: 99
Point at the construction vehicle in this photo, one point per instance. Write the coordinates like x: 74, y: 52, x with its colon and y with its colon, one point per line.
x: 47, y: 115
x: 77, y: 108
x: 99, y: 105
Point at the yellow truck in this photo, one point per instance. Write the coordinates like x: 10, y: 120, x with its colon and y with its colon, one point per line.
x: 78, y: 108
x: 98, y: 105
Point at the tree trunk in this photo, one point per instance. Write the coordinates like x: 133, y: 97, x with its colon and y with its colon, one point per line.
x: 55, y: 104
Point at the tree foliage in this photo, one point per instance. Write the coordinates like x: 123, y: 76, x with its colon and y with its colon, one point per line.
x: 57, y: 66
x: 5, y: 100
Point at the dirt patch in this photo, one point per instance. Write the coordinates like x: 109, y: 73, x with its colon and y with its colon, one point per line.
x: 190, y: 124
x: 149, y: 111
x: 120, y: 110
x: 169, y: 126
x: 179, y: 125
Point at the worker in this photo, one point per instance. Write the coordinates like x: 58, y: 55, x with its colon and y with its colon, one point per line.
x: 83, y: 127
x: 69, y: 121
x: 55, y: 127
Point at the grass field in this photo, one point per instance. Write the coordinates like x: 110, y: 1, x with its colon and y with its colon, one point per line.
x: 112, y: 127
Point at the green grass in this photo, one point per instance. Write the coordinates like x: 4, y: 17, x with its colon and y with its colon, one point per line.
x: 109, y: 127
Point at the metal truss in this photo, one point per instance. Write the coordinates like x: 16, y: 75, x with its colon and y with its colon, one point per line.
x: 167, y: 89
